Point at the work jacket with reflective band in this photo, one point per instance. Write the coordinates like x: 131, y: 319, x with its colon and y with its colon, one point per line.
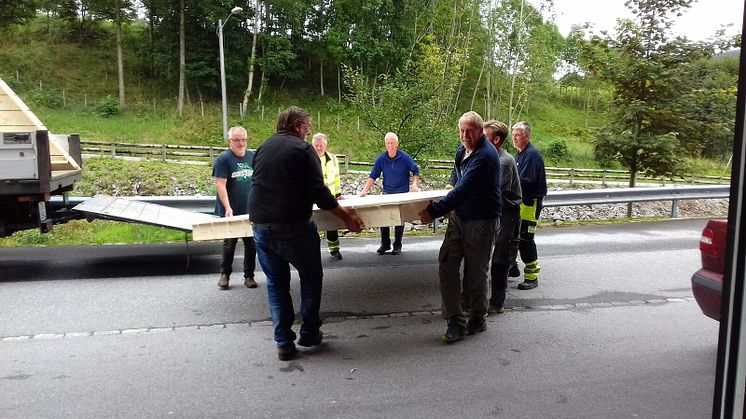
x: 330, y: 169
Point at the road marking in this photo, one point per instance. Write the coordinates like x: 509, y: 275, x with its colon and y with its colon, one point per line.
x: 337, y: 319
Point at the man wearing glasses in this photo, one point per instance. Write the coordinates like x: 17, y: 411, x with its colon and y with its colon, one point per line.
x: 233, y: 174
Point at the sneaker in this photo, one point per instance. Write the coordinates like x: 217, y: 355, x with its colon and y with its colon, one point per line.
x: 249, y: 282
x: 383, y: 249
x: 514, y: 271
x: 335, y: 255
x: 396, y: 251
x: 476, y: 326
x: 287, y: 352
x: 454, y: 334
x: 223, y: 281
x: 494, y: 309
x: 313, y: 341
x: 527, y: 285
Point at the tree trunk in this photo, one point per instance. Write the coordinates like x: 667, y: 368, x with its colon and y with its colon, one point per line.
x: 514, y: 69
x: 321, y: 76
x: 476, y: 86
x: 182, y: 58
x: 261, y: 88
x: 120, y: 63
x: 252, y: 58
x: 339, y: 83
x: 151, y: 45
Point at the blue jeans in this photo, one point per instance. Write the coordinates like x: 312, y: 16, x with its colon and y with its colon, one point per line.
x: 278, y: 246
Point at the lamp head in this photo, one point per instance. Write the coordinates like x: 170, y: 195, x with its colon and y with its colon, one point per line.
x: 236, y: 10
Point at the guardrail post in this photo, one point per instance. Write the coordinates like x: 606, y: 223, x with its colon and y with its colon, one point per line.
x: 675, y: 208
x: 603, y: 179
x: 163, y: 152
x: 113, y: 151
x: 572, y: 175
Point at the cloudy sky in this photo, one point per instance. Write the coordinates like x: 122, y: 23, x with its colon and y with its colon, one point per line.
x: 698, y: 23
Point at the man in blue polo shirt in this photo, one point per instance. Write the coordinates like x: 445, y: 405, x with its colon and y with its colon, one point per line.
x: 396, y: 166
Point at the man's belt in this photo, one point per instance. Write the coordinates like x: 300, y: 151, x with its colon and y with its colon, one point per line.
x: 280, y: 226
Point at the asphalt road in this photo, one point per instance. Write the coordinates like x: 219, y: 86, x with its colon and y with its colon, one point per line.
x: 133, y: 331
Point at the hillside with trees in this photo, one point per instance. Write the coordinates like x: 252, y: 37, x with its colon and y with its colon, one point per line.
x: 637, y: 98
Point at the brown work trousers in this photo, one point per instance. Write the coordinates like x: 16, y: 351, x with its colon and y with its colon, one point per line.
x: 469, y: 241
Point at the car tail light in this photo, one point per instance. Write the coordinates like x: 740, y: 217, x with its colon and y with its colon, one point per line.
x: 706, y: 243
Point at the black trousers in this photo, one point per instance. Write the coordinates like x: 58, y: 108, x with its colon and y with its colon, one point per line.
x: 504, y: 254
x: 526, y: 244
x: 386, y: 236
x: 249, y: 256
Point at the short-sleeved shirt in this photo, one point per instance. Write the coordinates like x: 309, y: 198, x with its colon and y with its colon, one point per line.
x: 395, y: 171
x: 239, y: 173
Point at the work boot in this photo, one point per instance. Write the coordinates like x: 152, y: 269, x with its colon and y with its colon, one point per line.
x: 396, y: 251
x: 249, y: 282
x: 223, y: 281
x: 476, y: 326
x: 495, y: 309
x: 454, y: 333
x: 287, y: 352
x: 312, y: 341
x: 335, y: 254
x: 383, y: 249
x: 514, y: 271
x: 528, y: 284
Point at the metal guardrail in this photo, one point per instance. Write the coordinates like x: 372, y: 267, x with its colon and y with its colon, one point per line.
x: 206, y: 204
x: 205, y: 154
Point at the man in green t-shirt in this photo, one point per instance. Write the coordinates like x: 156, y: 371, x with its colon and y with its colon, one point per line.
x: 233, y: 174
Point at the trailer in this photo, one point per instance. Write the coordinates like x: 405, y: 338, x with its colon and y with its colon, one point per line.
x: 34, y: 166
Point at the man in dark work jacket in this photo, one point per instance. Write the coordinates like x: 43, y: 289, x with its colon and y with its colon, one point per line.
x: 287, y: 182
x: 475, y: 207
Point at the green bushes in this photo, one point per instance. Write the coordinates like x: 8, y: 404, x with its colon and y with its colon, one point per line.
x: 50, y: 98
x: 107, y: 107
x: 557, y: 149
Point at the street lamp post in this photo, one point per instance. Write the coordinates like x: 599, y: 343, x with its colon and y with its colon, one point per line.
x: 235, y: 10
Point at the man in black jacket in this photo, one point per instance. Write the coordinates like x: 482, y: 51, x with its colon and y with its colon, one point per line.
x: 533, y: 178
x: 287, y: 182
x: 472, y: 226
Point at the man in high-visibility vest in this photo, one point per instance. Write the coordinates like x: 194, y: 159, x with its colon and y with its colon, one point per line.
x: 533, y: 179
x: 330, y: 170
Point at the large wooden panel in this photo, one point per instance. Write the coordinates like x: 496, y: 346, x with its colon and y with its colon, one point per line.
x: 123, y: 209
x: 223, y: 228
x: 374, y: 210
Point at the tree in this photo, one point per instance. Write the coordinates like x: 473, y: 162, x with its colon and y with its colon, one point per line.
x: 118, y: 11
x: 644, y: 69
x: 710, y: 107
x: 182, y: 57
x: 252, y: 57
x: 14, y: 11
x: 526, y: 53
x: 410, y: 101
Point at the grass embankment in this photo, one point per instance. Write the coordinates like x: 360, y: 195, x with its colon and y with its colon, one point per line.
x: 64, y: 85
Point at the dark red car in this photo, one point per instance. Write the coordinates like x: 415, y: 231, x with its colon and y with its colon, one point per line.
x: 707, y: 283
